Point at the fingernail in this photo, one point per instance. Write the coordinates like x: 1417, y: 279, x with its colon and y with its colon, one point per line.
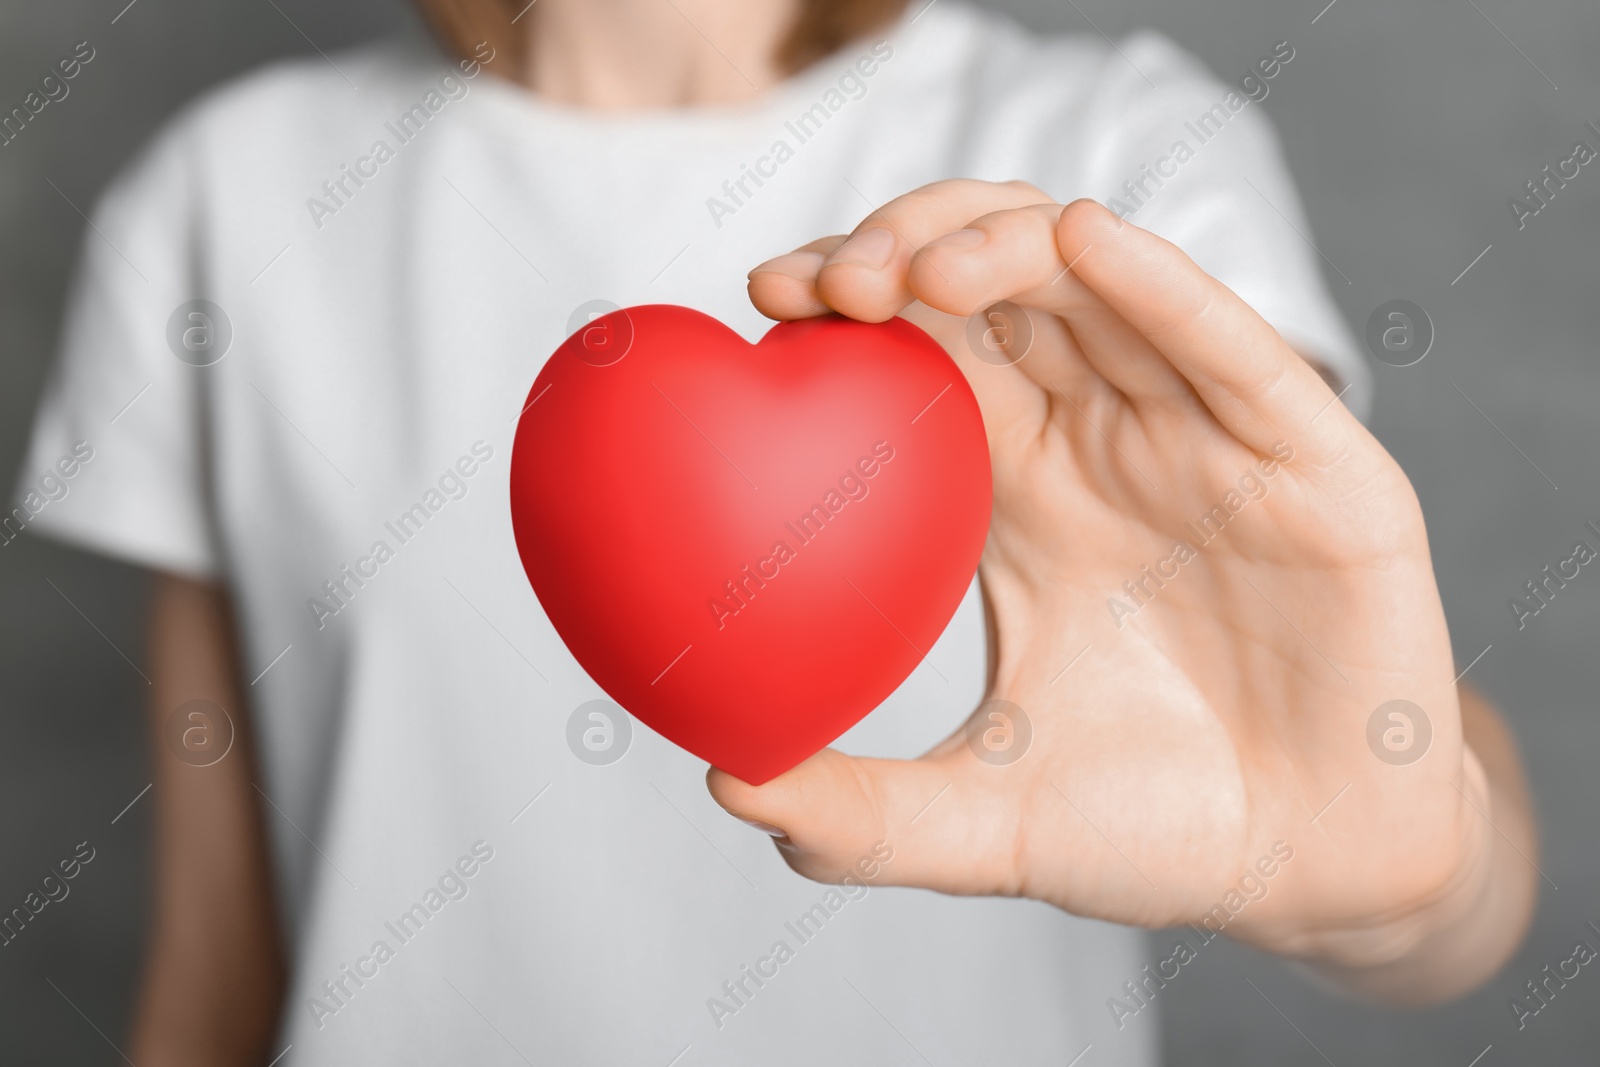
x: 766, y: 828
x: 1116, y: 218
x: 869, y: 248
x: 801, y: 265
x: 962, y: 240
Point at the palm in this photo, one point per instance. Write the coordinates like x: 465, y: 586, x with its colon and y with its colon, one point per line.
x: 1215, y: 700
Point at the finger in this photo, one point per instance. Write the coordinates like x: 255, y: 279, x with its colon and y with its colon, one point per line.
x: 991, y: 346
x: 785, y: 287
x: 942, y: 830
x: 1255, y: 385
x: 865, y: 277
x: 1013, y: 256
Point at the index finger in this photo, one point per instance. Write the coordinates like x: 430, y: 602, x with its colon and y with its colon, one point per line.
x: 865, y: 277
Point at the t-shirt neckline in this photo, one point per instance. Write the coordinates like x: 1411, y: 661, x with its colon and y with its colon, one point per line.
x: 701, y: 120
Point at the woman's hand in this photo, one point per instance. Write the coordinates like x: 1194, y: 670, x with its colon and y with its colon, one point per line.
x: 1205, y: 577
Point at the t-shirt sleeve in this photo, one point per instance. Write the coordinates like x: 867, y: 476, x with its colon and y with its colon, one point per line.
x: 117, y: 461
x: 1196, y: 160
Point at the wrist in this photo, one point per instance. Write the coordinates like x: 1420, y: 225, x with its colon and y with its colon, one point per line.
x: 1454, y: 938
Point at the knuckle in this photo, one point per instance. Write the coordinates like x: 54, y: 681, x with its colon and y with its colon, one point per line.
x: 1031, y: 228
x: 915, y: 204
x: 1027, y: 189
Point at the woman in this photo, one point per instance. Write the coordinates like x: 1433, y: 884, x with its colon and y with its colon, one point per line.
x: 399, y: 860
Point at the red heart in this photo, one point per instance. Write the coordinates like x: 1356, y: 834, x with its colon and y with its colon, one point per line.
x: 749, y: 547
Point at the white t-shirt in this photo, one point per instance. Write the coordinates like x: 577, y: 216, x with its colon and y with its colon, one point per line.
x: 381, y: 336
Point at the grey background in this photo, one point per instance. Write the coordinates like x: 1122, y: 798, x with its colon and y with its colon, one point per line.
x: 1408, y: 126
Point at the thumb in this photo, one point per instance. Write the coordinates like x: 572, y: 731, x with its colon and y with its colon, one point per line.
x: 930, y: 822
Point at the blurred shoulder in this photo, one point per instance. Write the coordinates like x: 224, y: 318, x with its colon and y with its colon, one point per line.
x: 286, y: 115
